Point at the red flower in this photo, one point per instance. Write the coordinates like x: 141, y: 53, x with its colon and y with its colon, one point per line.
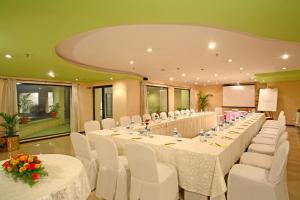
x: 5, y: 165
x: 38, y: 161
x: 31, y: 166
x: 34, y: 176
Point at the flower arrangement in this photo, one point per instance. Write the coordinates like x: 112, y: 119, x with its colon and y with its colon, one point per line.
x: 25, y: 167
x: 156, y: 116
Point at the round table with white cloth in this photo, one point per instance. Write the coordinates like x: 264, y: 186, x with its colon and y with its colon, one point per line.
x: 66, y: 180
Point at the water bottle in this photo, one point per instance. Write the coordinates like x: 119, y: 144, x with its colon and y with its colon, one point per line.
x: 175, y: 133
x: 202, y: 135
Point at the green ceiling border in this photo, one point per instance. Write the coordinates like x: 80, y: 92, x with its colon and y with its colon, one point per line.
x: 293, y: 75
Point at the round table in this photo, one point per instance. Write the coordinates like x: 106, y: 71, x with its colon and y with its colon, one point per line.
x: 66, y: 180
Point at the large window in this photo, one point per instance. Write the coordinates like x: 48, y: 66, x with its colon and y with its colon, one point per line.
x: 181, y: 99
x: 44, y: 110
x: 103, y: 101
x: 157, y: 98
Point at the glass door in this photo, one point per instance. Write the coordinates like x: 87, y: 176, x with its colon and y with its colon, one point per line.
x: 103, y: 98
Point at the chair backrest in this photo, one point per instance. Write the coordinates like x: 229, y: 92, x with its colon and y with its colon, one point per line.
x: 81, y: 146
x: 107, y: 152
x: 136, y: 119
x: 187, y: 111
x: 153, y: 116
x: 142, y: 162
x: 146, y: 116
x: 279, y: 163
x: 177, y: 112
x: 108, y: 123
x: 171, y: 114
x: 192, y: 110
x: 91, y: 126
x: 163, y: 115
x: 124, y: 121
x: 182, y: 112
x: 281, y: 114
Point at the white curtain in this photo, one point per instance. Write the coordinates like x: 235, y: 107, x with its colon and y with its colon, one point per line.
x: 9, y: 97
x: 75, y: 118
x: 144, y: 105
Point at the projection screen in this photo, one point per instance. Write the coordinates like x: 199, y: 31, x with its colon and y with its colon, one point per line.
x: 239, y: 96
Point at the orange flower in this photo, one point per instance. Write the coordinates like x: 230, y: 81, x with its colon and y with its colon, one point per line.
x: 37, y: 166
x: 22, y: 169
x: 30, y: 158
x: 23, y: 157
x: 14, y: 162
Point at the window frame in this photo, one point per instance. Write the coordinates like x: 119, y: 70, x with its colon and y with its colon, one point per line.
x: 177, y: 88
x: 159, y: 87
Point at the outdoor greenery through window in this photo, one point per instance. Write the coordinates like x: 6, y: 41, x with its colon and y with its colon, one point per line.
x: 157, y: 98
x: 43, y: 109
x: 182, y: 99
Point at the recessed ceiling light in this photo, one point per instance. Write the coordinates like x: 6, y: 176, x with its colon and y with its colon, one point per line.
x: 208, y: 81
x: 149, y: 49
x: 216, y: 75
x: 198, y: 78
x: 183, y: 75
x: 229, y: 60
x: 255, y: 80
x: 284, y: 68
x: 196, y: 83
x: 253, y: 77
x: 264, y: 81
x: 171, y: 78
x: 51, y: 74
x: 131, y: 62
x: 212, y: 45
x: 241, y: 68
x: 111, y: 78
x: 8, y: 56
x: 285, y: 56
x: 76, y: 79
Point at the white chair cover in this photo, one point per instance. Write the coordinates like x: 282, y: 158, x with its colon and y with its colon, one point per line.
x: 83, y: 153
x: 146, y: 116
x: 177, y: 113
x: 136, y: 119
x: 187, y: 111
x: 153, y: 116
x: 112, y: 175
x: 91, y: 126
x: 182, y: 112
x: 171, y: 114
x: 163, y: 115
x: 108, y: 123
x: 150, y: 180
x: 124, y: 121
x: 192, y: 110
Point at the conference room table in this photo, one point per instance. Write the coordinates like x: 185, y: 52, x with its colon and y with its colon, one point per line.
x: 201, y: 165
x: 187, y: 125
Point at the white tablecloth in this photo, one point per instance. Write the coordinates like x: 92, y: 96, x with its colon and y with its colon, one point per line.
x: 201, y: 166
x: 187, y: 126
x: 67, y: 180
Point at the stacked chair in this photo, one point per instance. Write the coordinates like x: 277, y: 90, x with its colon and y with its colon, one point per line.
x: 261, y: 173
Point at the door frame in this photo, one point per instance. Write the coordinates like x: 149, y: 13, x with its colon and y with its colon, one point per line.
x: 102, y: 87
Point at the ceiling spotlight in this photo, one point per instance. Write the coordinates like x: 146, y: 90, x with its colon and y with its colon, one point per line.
x: 171, y: 78
x: 216, y: 75
x: 253, y: 77
x: 131, y: 62
x: 183, y: 75
x: 229, y: 60
x: 51, y: 74
x: 76, y: 79
x: 264, y: 81
x: 285, y: 56
x: 149, y: 49
x: 198, y: 78
x: 111, y: 78
x: 212, y: 45
x: 8, y: 56
x: 241, y: 68
x: 208, y: 81
x: 284, y: 68
x: 196, y: 83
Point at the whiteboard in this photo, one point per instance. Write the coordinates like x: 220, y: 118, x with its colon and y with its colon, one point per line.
x: 239, y: 96
x: 267, y: 99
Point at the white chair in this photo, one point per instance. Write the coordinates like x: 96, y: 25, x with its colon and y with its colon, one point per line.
x: 248, y: 183
x: 192, y: 111
x: 146, y: 116
x: 86, y: 156
x: 136, y: 119
x: 91, y: 126
x: 150, y: 180
x: 274, y: 122
x: 182, y: 112
x: 267, y: 139
x: 163, y: 115
x: 177, y: 113
x: 124, y: 121
x: 187, y: 111
x: 108, y: 123
x: 171, y: 114
x: 113, y: 171
x: 153, y: 116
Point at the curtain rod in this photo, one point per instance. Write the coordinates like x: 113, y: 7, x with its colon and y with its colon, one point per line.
x: 25, y: 80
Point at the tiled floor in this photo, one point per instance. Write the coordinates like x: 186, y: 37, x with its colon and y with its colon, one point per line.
x: 62, y: 145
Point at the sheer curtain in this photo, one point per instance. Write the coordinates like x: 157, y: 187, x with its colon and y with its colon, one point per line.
x: 144, y: 102
x: 75, y: 118
x: 9, y: 97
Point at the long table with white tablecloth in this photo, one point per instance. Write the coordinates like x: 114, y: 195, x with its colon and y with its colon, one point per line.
x: 201, y: 165
x: 187, y: 126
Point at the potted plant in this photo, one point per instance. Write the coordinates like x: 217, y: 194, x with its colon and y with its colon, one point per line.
x: 25, y: 105
x: 9, y: 123
x: 203, y: 100
x: 54, y: 110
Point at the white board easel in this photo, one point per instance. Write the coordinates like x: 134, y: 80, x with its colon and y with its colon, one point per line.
x: 268, y: 100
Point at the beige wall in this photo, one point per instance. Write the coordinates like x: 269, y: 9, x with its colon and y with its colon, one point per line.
x: 217, y: 99
x: 85, y: 98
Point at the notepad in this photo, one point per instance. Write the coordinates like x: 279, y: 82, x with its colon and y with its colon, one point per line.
x: 136, y: 138
x: 115, y: 134
x: 170, y: 143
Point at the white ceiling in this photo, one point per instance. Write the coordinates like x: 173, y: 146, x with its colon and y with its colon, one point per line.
x: 180, y: 49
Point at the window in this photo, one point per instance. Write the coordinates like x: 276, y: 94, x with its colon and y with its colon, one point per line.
x: 103, y: 101
x: 43, y: 109
x: 181, y: 99
x: 157, y: 98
